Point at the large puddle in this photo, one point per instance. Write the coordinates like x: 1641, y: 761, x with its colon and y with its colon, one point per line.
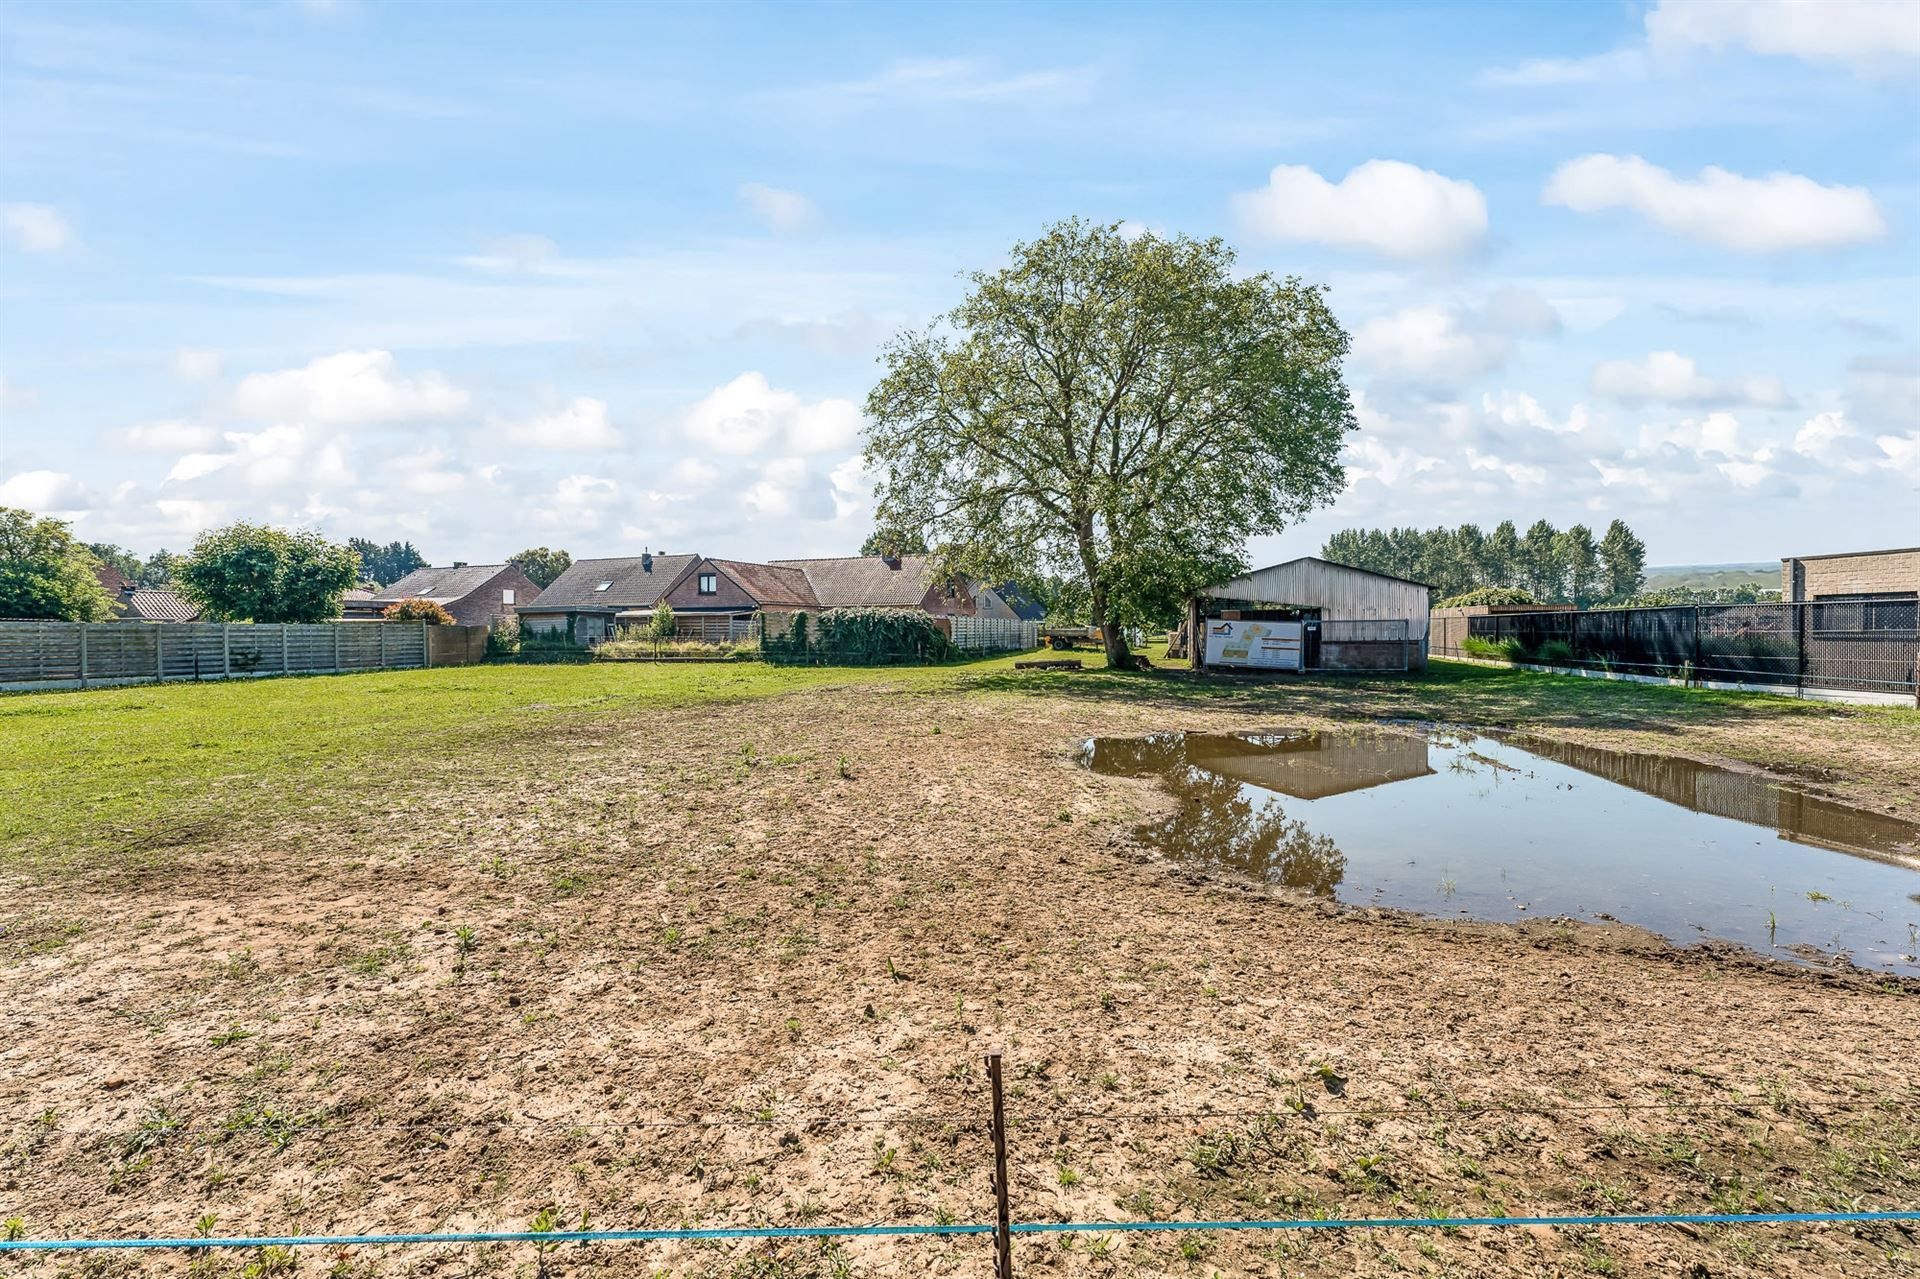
x: 1456, y: 824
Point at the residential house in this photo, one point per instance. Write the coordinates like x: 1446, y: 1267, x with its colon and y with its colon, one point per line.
x: 476, y: 594
x: 883, y: 581
x: 594, y: 596
x: 133, y: 603
x: 1009, y: 601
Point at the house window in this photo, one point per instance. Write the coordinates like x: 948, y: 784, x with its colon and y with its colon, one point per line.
x: 506, y: 595
x: 709, y: 583
x: 605, y: 586
x: 1891, y: 613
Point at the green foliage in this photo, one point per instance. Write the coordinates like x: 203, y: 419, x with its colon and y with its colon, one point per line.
x: 503, y: 637
x: 1122, y: 411
x: 417, y: 610
x: 1548, y: 564
x: 1488, y: 595
x: 255, y: 573
x: 44, y: 573
x: 1555, y: 653
x: 894, y: 542
x: 386, y: 564
x: 662, y: 626
x: 541, y: 564
x: 118, y: 558
x: 551, y: 646
x: 858, y: 637
x: 1492, y: 650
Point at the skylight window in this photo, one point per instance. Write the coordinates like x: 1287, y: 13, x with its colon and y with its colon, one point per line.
x: 606, y: 585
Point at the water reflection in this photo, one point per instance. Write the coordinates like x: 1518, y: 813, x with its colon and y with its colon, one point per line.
x: 1491, y: 829
x: 1742, y: 797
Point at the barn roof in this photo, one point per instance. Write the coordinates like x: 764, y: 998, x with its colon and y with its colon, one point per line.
x: 1220, y: 588
x: 633, y: 584
x: 853, y: 581
x: 441, y: 585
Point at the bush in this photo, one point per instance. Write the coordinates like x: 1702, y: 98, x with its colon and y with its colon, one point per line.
x: 861, y: 637
x: 550, y: 646
x: 503, y: 637
x: 662, y: 626
x: 1500, y: 650
x: 628, y: 648
x: 417, y: 610
x: 1556, y: 653
x: 1487, y: 595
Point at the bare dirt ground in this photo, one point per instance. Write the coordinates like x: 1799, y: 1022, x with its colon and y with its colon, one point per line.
x: 739, y: 965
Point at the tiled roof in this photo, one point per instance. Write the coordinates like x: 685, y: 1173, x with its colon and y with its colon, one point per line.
x: 1024, y: 606
x: 155, y: 604
x: 633, y: 584
x: 854, y: 581
x: 441, y: 585
x: 773, y: 585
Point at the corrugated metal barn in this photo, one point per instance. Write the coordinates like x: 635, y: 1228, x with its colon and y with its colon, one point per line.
x: 1310, y: 615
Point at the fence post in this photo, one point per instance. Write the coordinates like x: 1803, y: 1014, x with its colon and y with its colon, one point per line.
x: 1003, y: 1216
x: 286, y: 660
x: 426, y: 648
x: 337, y: 667
x: 159, y: 652
x: 83, y: 654
x: 226, y: 650
x: 1693, y: 671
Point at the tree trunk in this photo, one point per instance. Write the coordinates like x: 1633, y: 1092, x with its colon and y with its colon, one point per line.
x: 1111, y: 637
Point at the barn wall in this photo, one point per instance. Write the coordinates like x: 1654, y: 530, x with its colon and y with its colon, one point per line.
x: 1340, y: 593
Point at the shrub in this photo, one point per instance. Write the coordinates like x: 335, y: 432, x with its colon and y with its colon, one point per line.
x: 1484, y: 595
x: 551, y: 646
x: 1556, y: 653
x: 503, y: 637
x: 861, y: 637
x: 417, y: 610
x: 662, y: 626
x: 1493, y: 650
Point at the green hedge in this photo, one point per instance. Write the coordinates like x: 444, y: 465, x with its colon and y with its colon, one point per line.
x: 859, y: 637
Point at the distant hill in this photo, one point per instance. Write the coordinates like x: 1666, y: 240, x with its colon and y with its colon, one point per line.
x: 1763, y: 575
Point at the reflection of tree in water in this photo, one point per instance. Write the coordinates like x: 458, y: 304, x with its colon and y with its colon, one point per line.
x: 1226, y: 826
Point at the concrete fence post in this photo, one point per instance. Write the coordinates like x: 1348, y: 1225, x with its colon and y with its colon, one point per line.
x: 286, y: 659
x: 226, y: 650
x: 337, y: 667
x: 83, y: 654
x: 159, y: 652
x: 426, y: 648
x: 383, y: 644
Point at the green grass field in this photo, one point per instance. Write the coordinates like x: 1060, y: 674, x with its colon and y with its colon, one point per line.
x: 153, y: 766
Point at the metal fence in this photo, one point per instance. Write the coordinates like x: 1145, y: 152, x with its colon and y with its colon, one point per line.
x: 54, y: 655
x: 994, y: 634
x: 1841, y: 646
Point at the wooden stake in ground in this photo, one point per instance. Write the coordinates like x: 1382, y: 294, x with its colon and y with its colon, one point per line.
x: 1003, y: 1217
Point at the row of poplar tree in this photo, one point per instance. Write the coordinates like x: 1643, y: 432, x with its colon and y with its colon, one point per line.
x: 1555, y: 566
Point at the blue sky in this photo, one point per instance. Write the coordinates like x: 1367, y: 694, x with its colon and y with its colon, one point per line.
x: 493, y: 276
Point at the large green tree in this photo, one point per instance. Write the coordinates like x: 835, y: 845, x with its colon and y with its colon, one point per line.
x: 541, y: 564
x: 44, y: 573
x: 1623, y: 561
x: 1579, y: 561
x: 1127, y: 411
x: 389, y: 563
x: 251, y: 572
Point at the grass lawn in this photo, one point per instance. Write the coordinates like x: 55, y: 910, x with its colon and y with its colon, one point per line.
x: 718, y: 945
x: 153, y: 766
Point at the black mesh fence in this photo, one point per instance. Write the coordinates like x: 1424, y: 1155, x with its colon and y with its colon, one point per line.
x: 1843, y: 645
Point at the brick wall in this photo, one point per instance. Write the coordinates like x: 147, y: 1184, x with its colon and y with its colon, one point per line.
x: 1886, y: 571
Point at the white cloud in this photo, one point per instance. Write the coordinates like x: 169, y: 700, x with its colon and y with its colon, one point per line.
x: 1868, y: 35
x: 1383, y: 206
x: 1821, y: 433
x: 1717, y: 433
x: 1779, y: 213
x: 584, y: 425
x: 1428, y: 346
x: 1903, y: 454
x: 171, y: 435
x: 352, y: 388
x: 193, y: 364
x: 952, y: 80
x: 1671, y: 378
x: 1517, y: 408
x: 1369, y: 459
x: 45, y: 493
x: 747, y: 414
x: 1616, y: 64
x: 782, y: 211
x: 36, y: 228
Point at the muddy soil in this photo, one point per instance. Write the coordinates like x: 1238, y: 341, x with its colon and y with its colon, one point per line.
x: 740, y: 966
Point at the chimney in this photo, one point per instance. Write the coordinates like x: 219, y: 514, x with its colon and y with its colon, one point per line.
x: 891, y: 560
x: 459, y: 563
x: 646, y: 560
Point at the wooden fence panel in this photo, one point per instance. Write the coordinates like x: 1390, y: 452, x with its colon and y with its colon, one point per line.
x: 48, y: 655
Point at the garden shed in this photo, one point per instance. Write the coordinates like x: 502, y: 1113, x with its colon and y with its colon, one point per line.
x: 1310, y: 614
